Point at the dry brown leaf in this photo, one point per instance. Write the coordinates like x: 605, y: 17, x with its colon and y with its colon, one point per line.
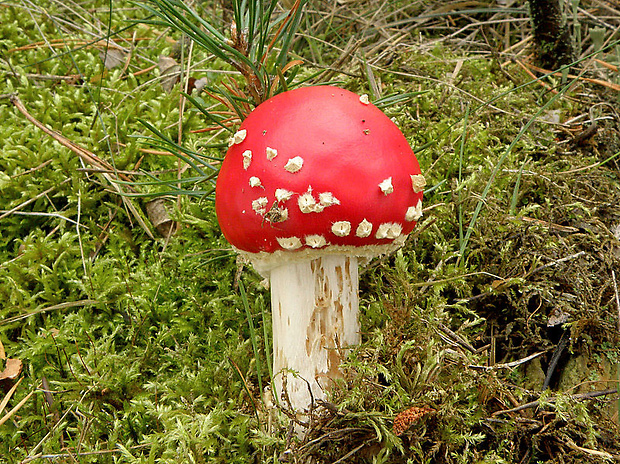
x: 12, y: 369
x: 2, y: 352
x: 169, y: 71
x: 112, y: 57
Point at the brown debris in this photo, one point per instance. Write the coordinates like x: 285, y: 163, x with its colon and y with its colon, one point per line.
x: 405, y: 419
x: 11, y: 370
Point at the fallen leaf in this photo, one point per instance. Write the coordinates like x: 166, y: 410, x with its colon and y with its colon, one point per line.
x: 169, y: 71
x: 112, y: 58
x: 12, y: 369
x: 2, y: 352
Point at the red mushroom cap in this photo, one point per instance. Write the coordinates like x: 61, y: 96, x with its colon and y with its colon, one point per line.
x: 318, y: 168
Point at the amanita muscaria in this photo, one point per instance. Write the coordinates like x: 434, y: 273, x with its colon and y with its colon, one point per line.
x: 315, y: 180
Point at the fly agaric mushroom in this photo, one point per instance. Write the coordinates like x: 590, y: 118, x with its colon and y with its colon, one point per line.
x: 315, y: 180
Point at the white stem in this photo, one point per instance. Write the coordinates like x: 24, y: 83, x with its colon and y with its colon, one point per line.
x: 314, y: 308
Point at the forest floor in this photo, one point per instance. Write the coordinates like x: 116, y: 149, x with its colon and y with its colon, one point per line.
x: 492, y: 336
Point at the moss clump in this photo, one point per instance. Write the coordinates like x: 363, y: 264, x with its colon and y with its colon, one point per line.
x: 141, y: 349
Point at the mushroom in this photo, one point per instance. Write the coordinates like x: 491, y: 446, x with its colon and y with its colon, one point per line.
x: 339, y: 185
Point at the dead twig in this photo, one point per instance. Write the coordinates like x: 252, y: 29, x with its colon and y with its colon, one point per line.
x: 556, y: 262
x: 553, y: 399
x: 593, y: 452
x: 509, y: 365
x: 562, y: 344
x: 67, y: 304
x: 613, y: 278
x: 456, y: 338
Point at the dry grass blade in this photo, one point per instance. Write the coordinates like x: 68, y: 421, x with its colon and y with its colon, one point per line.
x: 286, y: 23
x: 72, y: 456
x: 84, y: 154
x: 8, y: 396
x: 17, y: 407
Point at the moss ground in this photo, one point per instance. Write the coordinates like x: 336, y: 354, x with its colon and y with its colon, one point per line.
x: 501, y: 314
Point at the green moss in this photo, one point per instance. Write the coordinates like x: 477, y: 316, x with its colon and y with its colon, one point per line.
x: 145, y: 344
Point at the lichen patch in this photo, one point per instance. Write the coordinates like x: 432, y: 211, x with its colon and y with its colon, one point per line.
x: 341, y: 228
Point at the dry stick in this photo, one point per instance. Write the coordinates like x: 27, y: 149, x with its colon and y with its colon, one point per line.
x: 84, y: 154
x: 613, y: 277
x: 349, y: 454
x: 87, y: 157
x: 602, y: 454
x: 531, y: 74
x: 48, y: 77
x: 31, y: 170
x: 456, y: 338
x: 441, y: 82
x: 556, y: 262
x: 47, y: 435
x: 580, y: 396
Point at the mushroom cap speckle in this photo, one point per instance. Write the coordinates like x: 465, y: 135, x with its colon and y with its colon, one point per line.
x: 346, y: 169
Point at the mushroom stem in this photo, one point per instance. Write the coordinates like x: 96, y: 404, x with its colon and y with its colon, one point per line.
x: 315, y: 320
